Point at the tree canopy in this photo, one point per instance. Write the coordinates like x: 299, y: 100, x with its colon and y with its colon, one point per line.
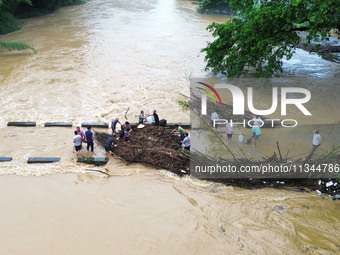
x: 214, y: 6
x: 267, y: 31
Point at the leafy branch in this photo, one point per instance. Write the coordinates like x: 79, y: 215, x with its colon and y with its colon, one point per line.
x: 16, y: 46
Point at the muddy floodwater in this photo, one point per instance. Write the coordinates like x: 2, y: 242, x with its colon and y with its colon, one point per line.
x: 94, y: 62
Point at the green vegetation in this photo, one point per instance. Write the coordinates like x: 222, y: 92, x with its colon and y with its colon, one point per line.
x: 12, y: 9
x: 8, y: 23
x: 28, y: 8
x: 267, y: 31
x: 214, y: 6
x: 184, y: 104
x: 41, y: 7
x: 16, y: 46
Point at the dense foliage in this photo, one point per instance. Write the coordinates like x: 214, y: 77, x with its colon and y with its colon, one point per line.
x: 266, y: 32
x: 40, y: 7
x: 27, y: 8
x: 7, y: 21
x: 214, y: 6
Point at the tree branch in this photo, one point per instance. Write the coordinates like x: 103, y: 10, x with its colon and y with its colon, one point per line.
x: 322, y: 48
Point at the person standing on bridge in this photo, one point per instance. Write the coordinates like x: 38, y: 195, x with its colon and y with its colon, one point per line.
x: 81, y: 133
x: 257, y: 121
x: 77, y: 142
x: 256, y: 134
x: 214, y: 116
x: 186, y: 141
x: 316, y: 139
x: 230, y: 131
x: 89, y: 138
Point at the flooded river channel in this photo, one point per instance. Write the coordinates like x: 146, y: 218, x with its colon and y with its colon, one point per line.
x: 94, y: 62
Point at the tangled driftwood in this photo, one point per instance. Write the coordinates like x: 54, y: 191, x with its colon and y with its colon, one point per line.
x: 152, y: 146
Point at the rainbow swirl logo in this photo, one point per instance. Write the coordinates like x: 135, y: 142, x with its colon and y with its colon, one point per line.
x: 209, y: 93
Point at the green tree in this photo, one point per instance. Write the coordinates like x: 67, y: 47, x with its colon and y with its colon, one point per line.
x: 7, y: 21
x: 41, y: 7
x: 267, y: 31
x: 214, y: 6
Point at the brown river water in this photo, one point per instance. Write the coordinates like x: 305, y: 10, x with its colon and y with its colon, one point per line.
x: 94, y: 61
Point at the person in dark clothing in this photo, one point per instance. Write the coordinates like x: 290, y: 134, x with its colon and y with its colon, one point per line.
x: 126, y: 130
x: 156, y: 118
x: 89, y: 138
x: 109, y: 144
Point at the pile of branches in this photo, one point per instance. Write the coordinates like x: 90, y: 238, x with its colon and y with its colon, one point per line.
x: 322, y: 182
x: 151, y: 146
